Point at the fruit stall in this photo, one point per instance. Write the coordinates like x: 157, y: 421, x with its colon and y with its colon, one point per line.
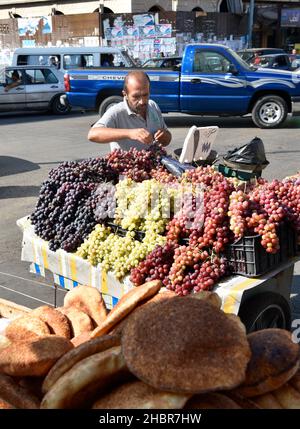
x: 119, y: 221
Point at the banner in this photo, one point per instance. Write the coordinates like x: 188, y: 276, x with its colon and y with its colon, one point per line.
x: 290, y: 18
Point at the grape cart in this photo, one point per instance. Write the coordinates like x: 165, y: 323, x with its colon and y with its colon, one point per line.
x: 261, y: 302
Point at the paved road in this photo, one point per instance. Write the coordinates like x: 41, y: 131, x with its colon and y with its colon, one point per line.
x: 30, y: 145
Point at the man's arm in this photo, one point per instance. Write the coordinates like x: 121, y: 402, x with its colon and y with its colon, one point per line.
x: 11, y: 86
x: 163, y: 136
x: 107, y: 135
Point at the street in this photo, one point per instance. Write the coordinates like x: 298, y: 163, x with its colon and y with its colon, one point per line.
x: 30, y: 145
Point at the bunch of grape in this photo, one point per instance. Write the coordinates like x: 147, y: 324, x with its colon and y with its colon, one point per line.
x: 135, y: 164
x: 238, y: 211
x: 115, y: 253
x: 156, y: 266
x: 162, y: 175
x: 104, y: 202
x: 93, y: 170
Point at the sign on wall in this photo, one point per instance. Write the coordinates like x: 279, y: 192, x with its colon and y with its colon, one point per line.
x: 290, y: 18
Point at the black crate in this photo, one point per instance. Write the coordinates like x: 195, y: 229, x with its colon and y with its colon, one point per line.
x: 249, y: 258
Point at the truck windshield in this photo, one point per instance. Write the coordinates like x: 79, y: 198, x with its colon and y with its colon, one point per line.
x: 130, y: 62
x: 240, y: 60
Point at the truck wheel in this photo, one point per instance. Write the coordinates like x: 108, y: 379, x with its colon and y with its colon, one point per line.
x: 58, y: 108
x: 266, y: 310
x: 269, y: 111
x: 109, y: 102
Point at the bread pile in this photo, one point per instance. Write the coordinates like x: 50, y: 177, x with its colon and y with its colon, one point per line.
x: 154, y: 350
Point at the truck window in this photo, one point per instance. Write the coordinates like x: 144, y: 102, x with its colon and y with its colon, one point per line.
x: 75, y: 61
x: 210, y: 62
x: 36, y: 77
x: 22, y: 60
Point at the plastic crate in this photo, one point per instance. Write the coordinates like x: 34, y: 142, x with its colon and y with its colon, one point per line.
x: 239, y: 174
x: 249, y: 258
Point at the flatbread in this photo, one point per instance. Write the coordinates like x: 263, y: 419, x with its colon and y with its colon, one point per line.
x: 185, y: 346
x: 288, y: 397
x: 274, y: 360
x: 211, y: 401
x: 89, y: 300
x: 267, y: 401
x: 126, y: 305
x: 138, y: 395
x: 27, y: 327
x: 79, y: 385
x: 68, y: 360
x: 79, y: 321
x: 33, y: 357
x: 56, y: 321
x: 19, y: 397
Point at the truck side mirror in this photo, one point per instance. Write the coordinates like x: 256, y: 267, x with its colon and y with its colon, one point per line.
x: 232, y: 69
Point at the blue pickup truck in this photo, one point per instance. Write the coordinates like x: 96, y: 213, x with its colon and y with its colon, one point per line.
x: 213, y: 81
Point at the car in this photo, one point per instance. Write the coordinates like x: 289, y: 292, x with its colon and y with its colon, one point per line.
x: 168, y: 62
x: 275, y: 61
x: 248, y: 54
x: 34, y: 88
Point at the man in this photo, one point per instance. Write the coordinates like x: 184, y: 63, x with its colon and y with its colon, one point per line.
x: 135, y: 122
x: 15, y: 81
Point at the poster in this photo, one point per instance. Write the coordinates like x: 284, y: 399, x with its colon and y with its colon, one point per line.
x: 143, y: 20
x: 163, y: 30
x: 28, y: 43
x: 28, y: 26
x: 46, y: 25
x: 147, y: 31
x: 131, y: 30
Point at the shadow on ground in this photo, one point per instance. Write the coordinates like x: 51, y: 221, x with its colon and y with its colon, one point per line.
x: 11, y: 165
x: 18, y: 191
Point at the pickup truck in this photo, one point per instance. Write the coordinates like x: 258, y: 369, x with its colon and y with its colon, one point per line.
x: 213, y: 81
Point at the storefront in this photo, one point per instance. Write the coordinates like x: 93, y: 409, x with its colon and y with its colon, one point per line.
x: 290, y: 25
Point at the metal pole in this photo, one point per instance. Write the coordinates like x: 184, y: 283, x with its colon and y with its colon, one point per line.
x: 250, y: 22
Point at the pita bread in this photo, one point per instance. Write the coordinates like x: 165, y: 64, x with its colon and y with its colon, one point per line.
x: 245, y: 403
x: 288, y: 397
x: 4, y: 405
x: 274, y: 360
x: 79, y: 321
x: 4, y: 342
x: 33, y: 357
x: 78, y: 386
x: 27, y: 327
x: 89, y: 300
x: 211, y: 354
x: 80, y: 339
x: 267, y: 401
x: 211, y: 401
x: 56, y: 321
x: 295, y: 381
x: 126, y: 304
x: 68, y: 360
x: 16, y: 395
x: 138, y: 395
x: 211, y: 297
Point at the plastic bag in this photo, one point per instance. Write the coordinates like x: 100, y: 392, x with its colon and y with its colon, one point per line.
x: 251, y: 156
x: 175, y: 167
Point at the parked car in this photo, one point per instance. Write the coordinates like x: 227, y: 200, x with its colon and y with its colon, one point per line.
x: 35, y: 88
x: 168, y: 62
x: 248, y: 54
x: 276, y: 61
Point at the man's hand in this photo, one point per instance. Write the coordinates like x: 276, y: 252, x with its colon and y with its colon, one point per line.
x: 163, y: 136
x: 141, y: 135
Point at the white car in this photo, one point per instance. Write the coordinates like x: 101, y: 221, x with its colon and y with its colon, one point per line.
x: 32, y: 88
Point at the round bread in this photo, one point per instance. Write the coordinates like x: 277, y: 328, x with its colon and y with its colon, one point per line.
x: 4, y: 342
x: 68, y: 360
x: 126, y: 304
x: 211, y: 297
x: 80, y: 339
x: 33, y: 357
x: 18, y: 396
x: 288, y: 397
x: 245, y: 403
x: 79, y: 321
x: 27, y: 327
x: 89, y: 300
x: 138, y: 395
x: 295, y: 381
x: 185, y: 346
x: 275, y: 359
x: 267, y: 401
x: 4, y: 405
x: 56, y: 321
x: 211, y: 401
x: 78, y: 386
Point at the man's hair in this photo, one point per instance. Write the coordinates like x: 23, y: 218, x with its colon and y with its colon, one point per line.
x: 138, y: 75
